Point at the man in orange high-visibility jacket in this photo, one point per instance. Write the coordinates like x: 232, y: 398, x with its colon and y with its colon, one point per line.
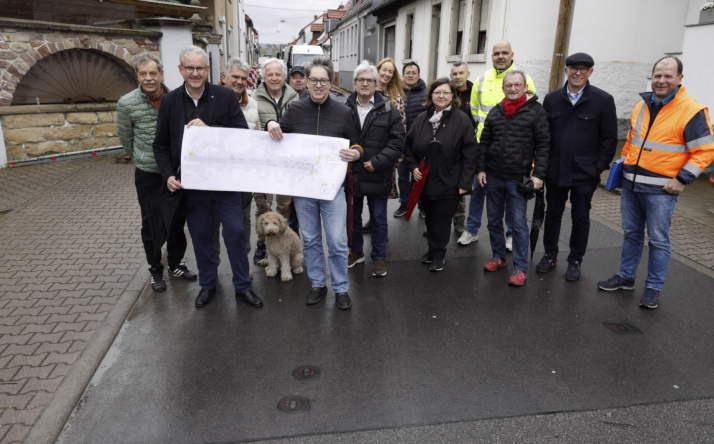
x: 669, y: 144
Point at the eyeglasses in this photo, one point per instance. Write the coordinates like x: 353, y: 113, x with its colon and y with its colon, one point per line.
x: 321, y: 82
x: 441, y: 93
x: 581, y: 70
x: 513, y: 85
x: 197, y: 69
x: 363, y: 80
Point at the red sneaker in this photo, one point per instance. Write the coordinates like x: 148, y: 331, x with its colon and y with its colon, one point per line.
x: 495, y: 263
x: 518, y: 278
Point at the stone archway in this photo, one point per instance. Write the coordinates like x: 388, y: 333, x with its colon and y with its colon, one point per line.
x: 74, y: 76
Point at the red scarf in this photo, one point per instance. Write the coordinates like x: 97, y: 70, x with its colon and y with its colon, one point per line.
x: 511, y: 106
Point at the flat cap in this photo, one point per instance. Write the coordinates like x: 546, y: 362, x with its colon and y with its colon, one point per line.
x: 579, y: 58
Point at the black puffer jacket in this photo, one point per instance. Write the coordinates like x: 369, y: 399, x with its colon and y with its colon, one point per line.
x: 415, y: 99
x: 454, y: 163
x: 510, y: 145
x: 382, y: 138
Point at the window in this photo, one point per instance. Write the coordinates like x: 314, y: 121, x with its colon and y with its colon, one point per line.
x: 390, y: 34
x: 435, y: 29
x: 479, y: 25
x: 458, y: 13
x: 409, y: 37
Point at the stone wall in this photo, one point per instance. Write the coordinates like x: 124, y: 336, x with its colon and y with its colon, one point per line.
x: 57, y: 129
x: 22, y: 44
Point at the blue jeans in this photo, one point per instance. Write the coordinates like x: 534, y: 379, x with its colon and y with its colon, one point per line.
x: 655, y: 212
x: 473, y: 223
x: 503, y: 196
x: 314, y: 215
x: 378, y: 216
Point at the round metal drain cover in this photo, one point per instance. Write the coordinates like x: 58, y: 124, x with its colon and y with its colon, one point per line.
x: 293, y: 403
x: 306, y: 372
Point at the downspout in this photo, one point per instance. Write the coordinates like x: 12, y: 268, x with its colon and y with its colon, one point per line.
x: 560, y: 47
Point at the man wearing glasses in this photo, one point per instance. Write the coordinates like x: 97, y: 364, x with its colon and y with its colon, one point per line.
x: 486, y: 93
x: 583, y: 127
x: 381, y: 135
x: 200, y: 103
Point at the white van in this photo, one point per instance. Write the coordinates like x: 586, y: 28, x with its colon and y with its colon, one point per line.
x: 299, y: 55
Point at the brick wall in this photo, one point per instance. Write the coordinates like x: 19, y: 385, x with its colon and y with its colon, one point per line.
x: 58, y: 129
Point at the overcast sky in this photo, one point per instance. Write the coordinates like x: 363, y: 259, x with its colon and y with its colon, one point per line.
x: 267, y: 16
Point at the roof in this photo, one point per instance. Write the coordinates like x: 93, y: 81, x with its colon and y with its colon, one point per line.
x: 317, y: 27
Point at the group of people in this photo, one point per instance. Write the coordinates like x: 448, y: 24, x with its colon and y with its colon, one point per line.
x: 490, y: 139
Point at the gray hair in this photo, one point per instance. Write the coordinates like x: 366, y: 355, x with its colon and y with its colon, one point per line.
x: 515, y: 71
x: 460, y: 63
x: 321, y: 62
x: 145, y: 57
x: 193, y: 50
x: 365, y: 66
x: 238, y: 63
x: 274, y: 60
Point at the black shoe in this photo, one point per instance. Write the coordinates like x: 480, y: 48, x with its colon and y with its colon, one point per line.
x: 260, y: 253
x: 343, y: 300
x: 426, y: 259
x: 204, y: 296
x: 181, y: 271
x: 437, y: 265
x: 316, y: 294
x: 367, y: 228
x: 401, y: 211
x: 249, y: 298
x: 546, y: 264
x: 157, y: 282
x: 573, y: 271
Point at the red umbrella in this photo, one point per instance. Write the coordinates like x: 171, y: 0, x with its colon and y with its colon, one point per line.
x: 417, y: 188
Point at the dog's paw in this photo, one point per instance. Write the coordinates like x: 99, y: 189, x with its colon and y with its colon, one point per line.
x: 298, y: 270
x: 286, y: 277
x: 263, y: 262
x: 270, y: 271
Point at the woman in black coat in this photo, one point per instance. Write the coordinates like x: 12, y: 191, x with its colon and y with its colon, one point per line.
x: 442, y: 136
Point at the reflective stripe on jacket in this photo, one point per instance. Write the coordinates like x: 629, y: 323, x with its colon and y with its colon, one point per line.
x: 654, y: 155
x: 487, y: 92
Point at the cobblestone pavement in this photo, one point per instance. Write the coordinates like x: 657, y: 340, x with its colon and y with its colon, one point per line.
x: 71, y: 247
x: 66, y: 252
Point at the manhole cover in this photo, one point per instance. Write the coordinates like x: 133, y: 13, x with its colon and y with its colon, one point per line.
x: 306, y: 372
x: 622, y: 328
x: 293, y: 403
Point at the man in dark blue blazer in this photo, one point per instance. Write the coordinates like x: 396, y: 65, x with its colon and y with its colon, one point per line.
x: 583, y: 127
x: 199, y: 103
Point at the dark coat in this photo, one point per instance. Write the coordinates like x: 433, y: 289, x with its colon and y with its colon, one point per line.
x: 583, y: 136
x: 329, y: 118
x: 453, y: 166
x: 382, y: 138
x: 510, y: 145
x: 220, y: 108
x: 415, y: 100
x: 465, y: 97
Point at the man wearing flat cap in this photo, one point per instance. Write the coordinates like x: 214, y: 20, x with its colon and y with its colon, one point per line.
x: 583, y: 127
x: 299, y: 82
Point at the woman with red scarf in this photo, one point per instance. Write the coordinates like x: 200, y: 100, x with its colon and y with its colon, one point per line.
x: 514, y: 148
x: 443, y: 138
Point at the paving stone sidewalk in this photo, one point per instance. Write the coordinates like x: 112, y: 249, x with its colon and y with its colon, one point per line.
x: 67, y: 251
x: 71, y: 247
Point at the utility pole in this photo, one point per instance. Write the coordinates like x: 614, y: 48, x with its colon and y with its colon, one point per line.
x: 560, y: 48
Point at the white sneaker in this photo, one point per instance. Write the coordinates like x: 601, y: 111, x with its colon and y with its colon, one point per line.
x: 509, y: 244
x: 467, y: 238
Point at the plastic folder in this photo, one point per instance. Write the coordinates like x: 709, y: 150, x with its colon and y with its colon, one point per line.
x: 614, y: 180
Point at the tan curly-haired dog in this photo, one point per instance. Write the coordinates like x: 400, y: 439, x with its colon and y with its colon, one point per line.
x: 282, y: 244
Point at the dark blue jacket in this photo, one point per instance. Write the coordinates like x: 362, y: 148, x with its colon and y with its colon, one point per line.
x: 583, y: 136
x: 218, y: 107
x: 415, y: 99
x: 382, y: 138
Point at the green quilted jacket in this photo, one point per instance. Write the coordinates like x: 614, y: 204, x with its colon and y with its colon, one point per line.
x: 136, y: 126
